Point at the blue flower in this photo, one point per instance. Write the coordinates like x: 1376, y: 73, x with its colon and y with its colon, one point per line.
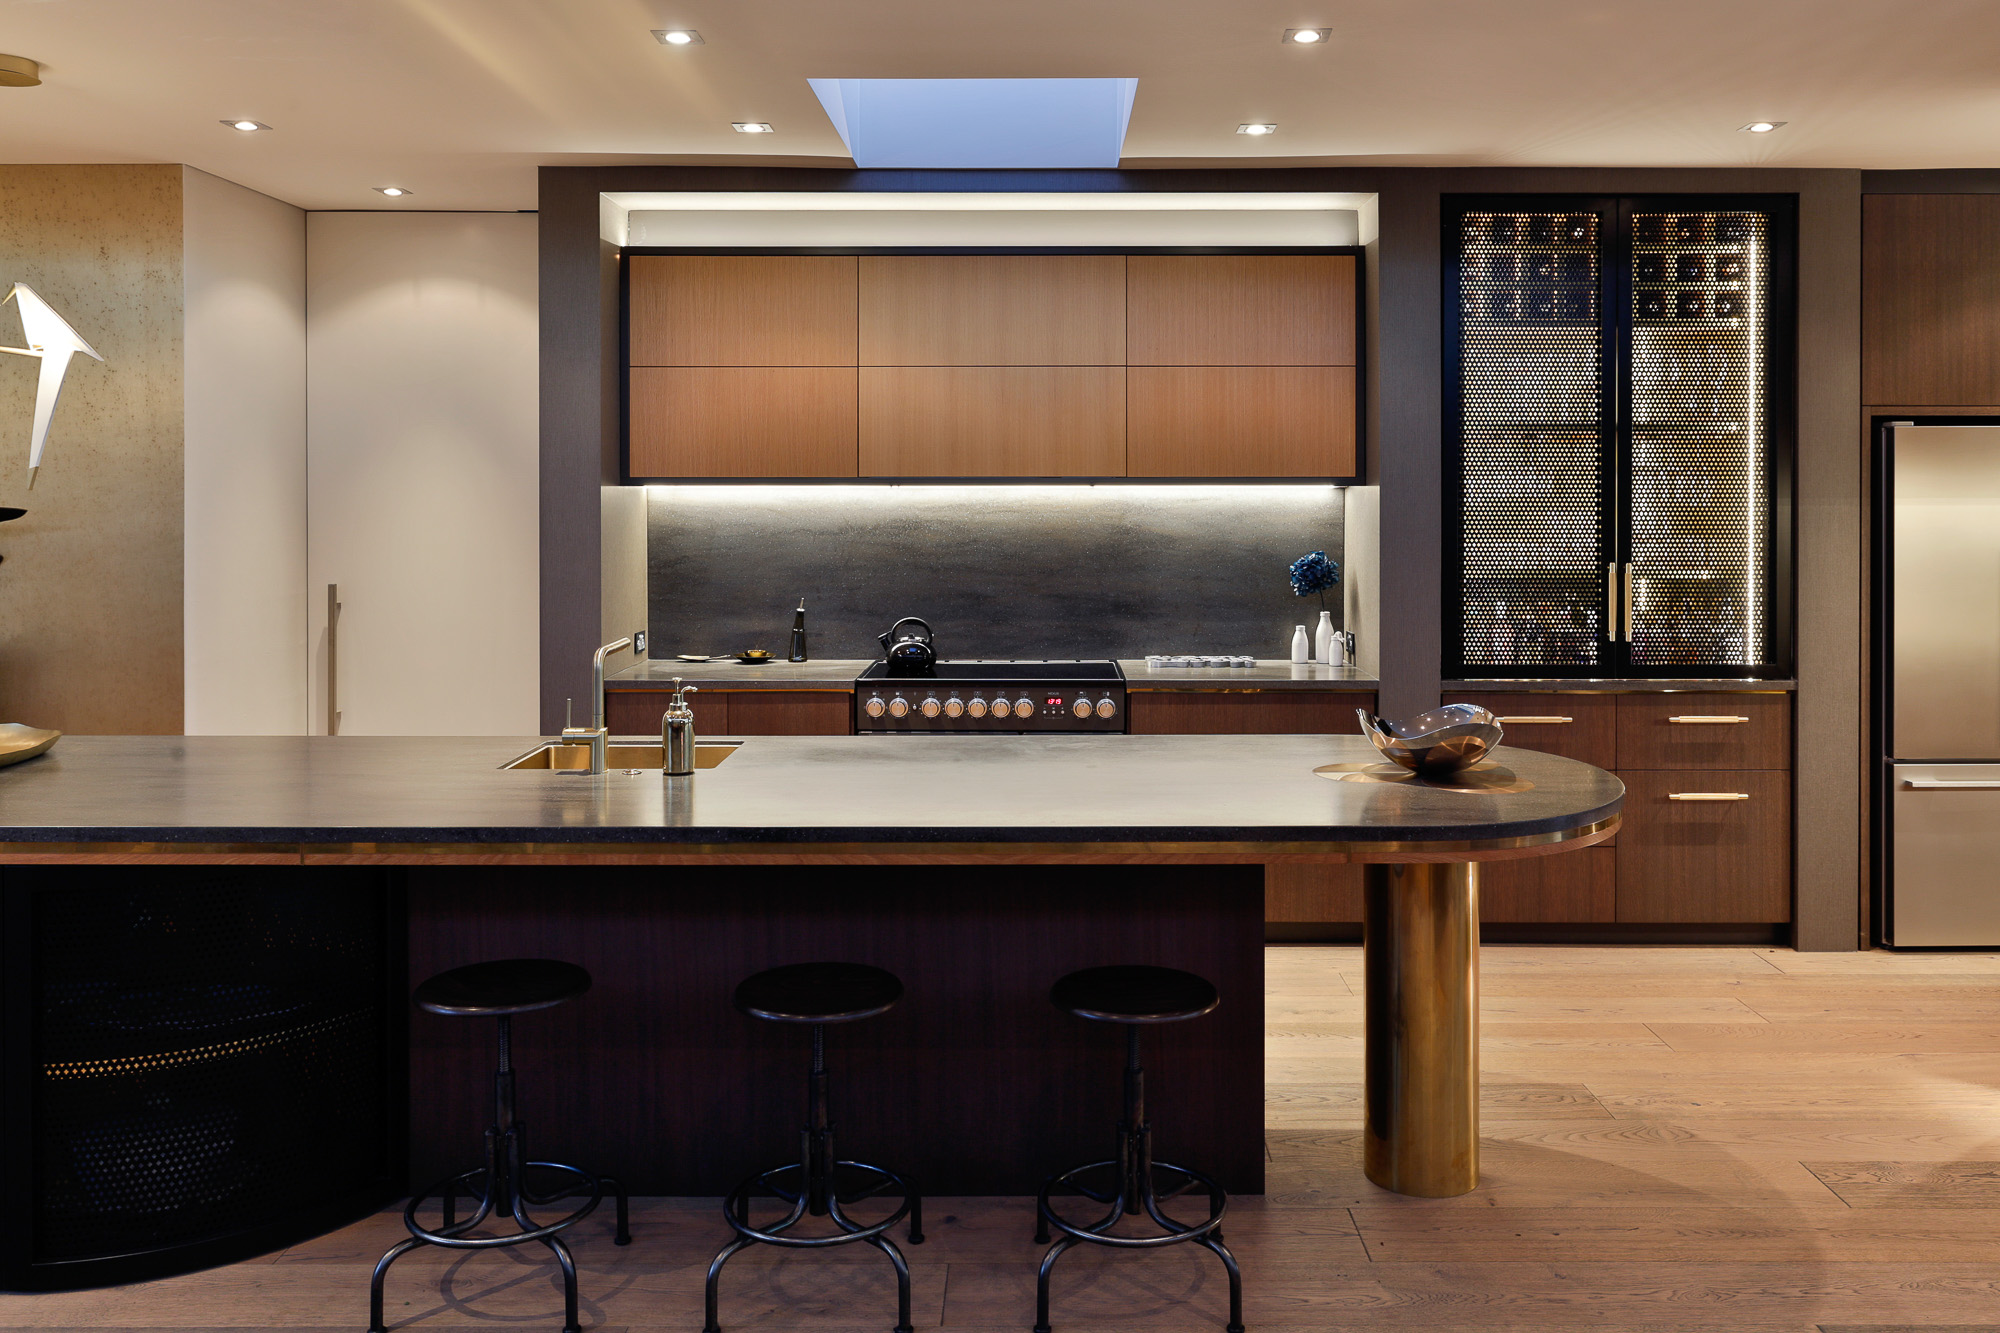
x: 1313, y: 573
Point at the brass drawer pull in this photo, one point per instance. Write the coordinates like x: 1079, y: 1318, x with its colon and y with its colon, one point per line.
x: 1707, y: 718
x: 1552, y: 721
x: 1708, y: 796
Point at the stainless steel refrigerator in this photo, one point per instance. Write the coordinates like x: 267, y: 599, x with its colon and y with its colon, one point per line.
x: 1939, y: 700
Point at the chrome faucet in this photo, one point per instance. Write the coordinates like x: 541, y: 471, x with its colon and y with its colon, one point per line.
x: 596, y: 734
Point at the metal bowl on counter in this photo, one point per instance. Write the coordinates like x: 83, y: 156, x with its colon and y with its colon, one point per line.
x: 1438, y: 744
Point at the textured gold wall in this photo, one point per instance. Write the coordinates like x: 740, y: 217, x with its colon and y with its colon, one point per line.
x: 90, y: 587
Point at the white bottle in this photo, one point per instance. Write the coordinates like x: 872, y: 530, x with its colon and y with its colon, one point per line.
x: 1323, y: 639
x: 1301, y: 645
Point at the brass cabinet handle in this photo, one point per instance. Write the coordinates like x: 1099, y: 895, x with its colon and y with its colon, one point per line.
x: 333, y: 659
x: 1946, y: 784
x: 1611, y: 603
x: 1552, y: 721
x: 1628, y: 603
x: 1708, y: 719
x: 1708, y: 796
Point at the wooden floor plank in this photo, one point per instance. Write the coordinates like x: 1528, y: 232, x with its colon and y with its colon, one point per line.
x: 1675, y: 1140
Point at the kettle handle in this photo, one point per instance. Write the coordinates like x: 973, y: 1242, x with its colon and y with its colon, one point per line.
x: 907, y: 620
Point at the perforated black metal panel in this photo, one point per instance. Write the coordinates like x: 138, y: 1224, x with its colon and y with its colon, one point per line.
x: 1532, y: 442
x: 1700, y: 464
x: 210, y: 1052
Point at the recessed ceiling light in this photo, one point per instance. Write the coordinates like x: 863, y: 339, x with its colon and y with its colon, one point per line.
x: 247, y: 126
x: 1761, y: 126
x: 393, y: 191
x: 1257, y: 129
x: 678, y: 37
x: 751, y: 127
x: 1307, y: 36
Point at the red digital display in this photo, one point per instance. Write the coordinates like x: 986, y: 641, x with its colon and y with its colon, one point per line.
x: 1055, y: 701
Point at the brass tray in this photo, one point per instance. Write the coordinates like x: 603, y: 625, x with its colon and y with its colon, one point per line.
x: 18, y: 742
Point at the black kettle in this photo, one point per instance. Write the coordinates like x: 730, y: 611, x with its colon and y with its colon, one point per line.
x: 907, y: 648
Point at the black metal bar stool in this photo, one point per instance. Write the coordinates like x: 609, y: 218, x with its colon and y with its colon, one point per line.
x: 501, y: 990
x: 819, y: 994
x: 1132, y: 1182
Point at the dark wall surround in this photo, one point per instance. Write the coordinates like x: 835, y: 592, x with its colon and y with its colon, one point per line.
x: 998, y: 571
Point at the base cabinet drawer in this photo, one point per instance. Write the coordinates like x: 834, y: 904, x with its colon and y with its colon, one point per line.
x: 1706, y: 847
x: 1575, y: 726
x: 1710, y: 731
x: 1317, y: 893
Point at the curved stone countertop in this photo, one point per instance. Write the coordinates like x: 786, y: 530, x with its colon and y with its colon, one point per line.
x: 791, y: 790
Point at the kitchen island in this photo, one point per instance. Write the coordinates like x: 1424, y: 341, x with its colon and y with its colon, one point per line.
x: 978, y: 871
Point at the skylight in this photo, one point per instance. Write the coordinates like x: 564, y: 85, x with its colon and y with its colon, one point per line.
x: 980, y: 122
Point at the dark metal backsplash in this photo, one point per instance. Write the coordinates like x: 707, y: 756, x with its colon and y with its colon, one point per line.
x: 998, y: 571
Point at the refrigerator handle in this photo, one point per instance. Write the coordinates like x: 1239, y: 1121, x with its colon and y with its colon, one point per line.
x: 1946, y: 784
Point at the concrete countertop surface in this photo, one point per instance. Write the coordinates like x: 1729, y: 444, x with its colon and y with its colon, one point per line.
x: 1268, y: 674
x: 1634, y: 685
x: 834, y: 673
x: 774, y: 789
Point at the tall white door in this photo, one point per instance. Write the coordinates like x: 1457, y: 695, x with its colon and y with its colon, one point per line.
x: 422, y: 470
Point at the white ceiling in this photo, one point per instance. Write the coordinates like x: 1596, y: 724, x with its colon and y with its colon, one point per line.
x: 459, y: 100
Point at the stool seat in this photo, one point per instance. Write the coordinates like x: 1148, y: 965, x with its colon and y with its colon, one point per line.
x: 819, y: 993
x: 1134, y: 994
x: 504, y: 986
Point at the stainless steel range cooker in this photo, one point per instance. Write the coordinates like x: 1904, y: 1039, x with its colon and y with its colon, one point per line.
x: 967, y: 698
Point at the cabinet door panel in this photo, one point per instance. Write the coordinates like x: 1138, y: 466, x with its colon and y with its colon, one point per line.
x: 793, y: 422
x: 1240, y: 421
x: 742, y: 310
x: 791, y: 713
x: 1692, y: 731
x: 1563, y: 886
x: 1706, y: 861
x: 1295, y: 892
x: 1274, y: 713
x: 1240, y: 310
x: 639, y: 712
x: 993, y: 310
x: 1575, y: 726
x: 1930, y: 328
x: 993, y: 421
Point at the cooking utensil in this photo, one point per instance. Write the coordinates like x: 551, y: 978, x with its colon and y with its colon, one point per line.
x: 909, y: 651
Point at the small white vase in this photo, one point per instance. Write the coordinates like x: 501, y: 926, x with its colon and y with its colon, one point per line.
x: 1301, y: 645
x: 1323, y: 639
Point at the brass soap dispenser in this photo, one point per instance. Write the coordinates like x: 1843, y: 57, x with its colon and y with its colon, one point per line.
x: 677, y: 732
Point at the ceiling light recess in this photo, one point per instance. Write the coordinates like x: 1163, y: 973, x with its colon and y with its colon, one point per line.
x: 393, y: 191
x: 677, y: 37
x: 1761, y: 126
x: 1307, y: 36
x: 19, y: 72
x: 247, y: 126
x: 1257, y: 128
x: 980, y: 123
x: 752, y: 127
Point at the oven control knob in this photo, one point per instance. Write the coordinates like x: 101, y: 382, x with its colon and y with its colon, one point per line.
x: 977, y: 707
x: 1024, y: 708
x: 1105, y: 707
x: 954, y: 707
x: 931, y: 707
x: 899, y: 707
x: 875, y: 707
x: 1081, y: 707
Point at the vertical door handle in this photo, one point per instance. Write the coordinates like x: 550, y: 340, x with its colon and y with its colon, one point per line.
x: 1611, y: 603
x: 333, y: 659
x: 1628, y: 601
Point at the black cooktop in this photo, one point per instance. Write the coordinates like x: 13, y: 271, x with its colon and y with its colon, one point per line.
x: 1102, y: 669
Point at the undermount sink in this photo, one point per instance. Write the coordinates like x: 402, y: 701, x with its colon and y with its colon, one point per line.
x: 576, y: 758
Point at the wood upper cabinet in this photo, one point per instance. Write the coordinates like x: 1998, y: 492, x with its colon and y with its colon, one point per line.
x: 1240, y: 310
x: 1930, y: 300
x: 743, y: 310
x: 742, y: 421
x: 1240, y: 421
x: 992, y: 421
x: 992, y: 310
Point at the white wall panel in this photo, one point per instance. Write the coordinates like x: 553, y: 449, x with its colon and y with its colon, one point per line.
x: 423, y: 473
x: 244, y: 487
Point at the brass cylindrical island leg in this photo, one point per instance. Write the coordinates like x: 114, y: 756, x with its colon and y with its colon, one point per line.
x: 1421, y: 947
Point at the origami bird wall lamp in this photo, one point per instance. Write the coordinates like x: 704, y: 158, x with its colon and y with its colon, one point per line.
x: 52, y: 340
